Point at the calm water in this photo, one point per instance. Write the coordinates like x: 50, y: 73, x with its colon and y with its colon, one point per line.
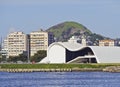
x: 60, y: 79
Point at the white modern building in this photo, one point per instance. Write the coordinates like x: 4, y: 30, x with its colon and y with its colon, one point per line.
x: 65, y: 52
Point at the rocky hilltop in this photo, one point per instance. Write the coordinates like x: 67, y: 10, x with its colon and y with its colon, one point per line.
x: 65, y: 30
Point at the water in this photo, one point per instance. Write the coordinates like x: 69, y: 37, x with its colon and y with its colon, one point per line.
x: 60, y: 79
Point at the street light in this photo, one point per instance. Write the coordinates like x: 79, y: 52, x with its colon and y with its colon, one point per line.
x: 28, y: 48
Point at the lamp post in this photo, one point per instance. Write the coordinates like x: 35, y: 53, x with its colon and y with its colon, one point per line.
x: 28, y: 48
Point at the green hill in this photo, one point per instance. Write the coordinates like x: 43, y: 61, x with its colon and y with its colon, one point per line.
x: 65, y: 30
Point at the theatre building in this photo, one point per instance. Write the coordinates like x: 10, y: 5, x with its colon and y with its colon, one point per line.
x: 65, y: 52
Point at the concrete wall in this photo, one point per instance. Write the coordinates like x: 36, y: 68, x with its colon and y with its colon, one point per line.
x: 57, y: 54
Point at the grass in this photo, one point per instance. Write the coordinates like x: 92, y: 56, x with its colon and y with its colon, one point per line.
x: 49, y: 66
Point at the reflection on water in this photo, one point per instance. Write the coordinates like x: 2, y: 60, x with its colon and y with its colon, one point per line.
x: 60, y: 79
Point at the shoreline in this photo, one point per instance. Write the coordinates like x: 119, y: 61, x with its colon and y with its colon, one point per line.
x: 50, y: 70
x: 59, y: 67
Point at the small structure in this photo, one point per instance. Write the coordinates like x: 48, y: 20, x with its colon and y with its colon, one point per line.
x: 84, y: 41
x: 73, y: 39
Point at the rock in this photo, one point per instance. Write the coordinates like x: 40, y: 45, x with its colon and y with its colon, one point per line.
x: 112, y: 69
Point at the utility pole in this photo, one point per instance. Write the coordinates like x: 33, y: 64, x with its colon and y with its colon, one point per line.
x: 1, y: 43
x: 28, y: 48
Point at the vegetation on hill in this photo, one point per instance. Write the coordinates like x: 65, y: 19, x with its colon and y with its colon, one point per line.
x: 65, y: 30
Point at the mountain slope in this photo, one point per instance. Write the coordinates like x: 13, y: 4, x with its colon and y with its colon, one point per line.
x: 65, y: 30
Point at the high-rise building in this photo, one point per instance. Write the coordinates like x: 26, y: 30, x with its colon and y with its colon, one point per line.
x: 40, y: 40
x: 4, y: 49
x: 5, y: 45
x: 15, y: 43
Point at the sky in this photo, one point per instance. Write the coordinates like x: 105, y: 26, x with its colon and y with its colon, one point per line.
x: 100, y: 16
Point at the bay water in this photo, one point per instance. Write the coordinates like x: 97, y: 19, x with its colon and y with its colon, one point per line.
x: 60, y: 79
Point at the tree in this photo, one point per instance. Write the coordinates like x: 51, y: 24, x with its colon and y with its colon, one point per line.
x: 13, y: 59
x: 22, y: 57
x: 2, y: 57
x: 39, y: 56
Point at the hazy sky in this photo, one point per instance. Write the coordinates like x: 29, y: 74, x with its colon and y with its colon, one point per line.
x: 100, y: 16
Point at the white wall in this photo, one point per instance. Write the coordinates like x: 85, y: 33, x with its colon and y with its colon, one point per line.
x: 107, y: 54
x: 56, y: 54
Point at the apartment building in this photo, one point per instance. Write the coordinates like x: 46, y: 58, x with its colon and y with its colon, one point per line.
x: 106, y: 42
x: 15, y: 43
x: 5, y: 45
x: 40, y: 40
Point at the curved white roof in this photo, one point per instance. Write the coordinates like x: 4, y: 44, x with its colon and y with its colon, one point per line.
x: 106, y: 54
x: 68, y: 45
x: 103, y: 54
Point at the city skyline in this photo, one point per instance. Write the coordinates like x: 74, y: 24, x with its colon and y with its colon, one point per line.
x: 101, y: 17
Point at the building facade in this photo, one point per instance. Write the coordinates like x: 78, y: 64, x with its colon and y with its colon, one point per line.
x: 4, y: 49
x: 15, y: 43
x: 106, y: 43
x: 65, y: 52
x: 40, y: 40
x: 5, y: 45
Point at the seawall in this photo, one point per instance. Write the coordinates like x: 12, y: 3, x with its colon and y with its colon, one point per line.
x: 51, y: 70
x: 36, y: 70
